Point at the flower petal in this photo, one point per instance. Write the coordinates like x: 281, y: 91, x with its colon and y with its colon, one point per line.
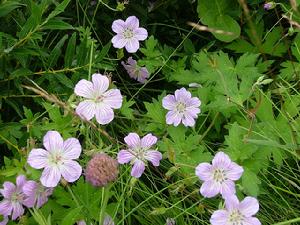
x: 249, y: 206
x: 124, y: 156
x: 113, y: 98
x: 118, y: 41
x: 193, y: 102
x: 188, y: 120
x: 132, y: 45
x: 141, y: 34
x: 108, y: 220
x: 71, y: 170
x: 227, y: 188
x: 29, y: 189
x: 100, y: 83
x: 86, y: 109
x: 118, y: 26
x: 8, y: 189
x: 182, y: 95
x: 153, y: 156
x: 132, y: 22
x: 5, y: 208
x: 148, y: 141
x: 221, y: 160
x: 210, y: 189
x: 53, y: 141
x: 71, y: 149
x: 50, y: 177
x: 38, y: 158
x: 169, y: 102
x: 204, y: 171
x: 174, y: 118
x: 104, y: 114
x: 17, y: 210
x: 252, y: 221
x: 20, y: 181
x: 219, y: 217
x: 84, y: 89
x: 231, y: 202
x: 132, y: 140
x: 234, y: 171
x: 138, y: 169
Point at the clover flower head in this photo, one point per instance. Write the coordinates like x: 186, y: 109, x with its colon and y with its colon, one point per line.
x: 12, y: 204
x: 219, y: 177
x: 182, y: 108
x: 36, y: 194
x: 128, y: 34
x: 236, y: 212
x: 139, y: 151
x: 101, y: 170
x: 57, y: 160
x: 99, y: 102
x: 138, y: 73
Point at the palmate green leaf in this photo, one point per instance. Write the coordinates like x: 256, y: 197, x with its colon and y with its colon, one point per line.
x: 126, y: 110
x: 8, y: 6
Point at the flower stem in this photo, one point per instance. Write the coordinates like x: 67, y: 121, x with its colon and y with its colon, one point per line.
x: 104, y: 200
x: 73, y: 196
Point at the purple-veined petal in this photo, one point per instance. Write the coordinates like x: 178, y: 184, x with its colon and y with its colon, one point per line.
x: 70, y: 170
x: 17, y: 210
x: 251, y: 221
x: 234, y: 171
x: 174, y: 118
x: 50, y: 177
x: 188, y: 120
x: 100, y: 83
x: 141, y: 34
x: 8, y: 189
x: 104, y: 114
x: 221, y: 160
x: 132, y: 45
x: 118, y: 41
x: 153, y: 156
x: 108, y: 220
x: 30, y: 189
x: 71, y: 149
x: 53, y: 141
x: 138, y: 169
x: 132, y: 22
x: 204, y: 171
x: 249, y: 206
x: 124, y: 156
x: 193, y: 102
x: 132, y: 140
x: 192, y: 112
x: 20, y: 181
x: 118, y: 26
x: 148, y: 141
x: 86, y: 109
x: 227, y: 188
x: 210, y: 189
x: 5, y: 207
x: 219, y: 217
x: 38, y: 158
x: 182, y: 95
x: 113, y: 98
x: 84, y: 89
x: 231, y: 202
x: 131, y: 62
x: 169, y: 102
x: 143, y: 75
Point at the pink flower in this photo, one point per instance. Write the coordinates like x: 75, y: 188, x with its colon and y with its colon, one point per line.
x: 139, y: 151
x: 36, y: 195
x: 183, y: 108
x: 138, y: 73
x: 236, y: 212
x: 99, y: 102
x: 219, y: 177
x: 128, y: 34
x: 12, y: 204
x: 57, y: 160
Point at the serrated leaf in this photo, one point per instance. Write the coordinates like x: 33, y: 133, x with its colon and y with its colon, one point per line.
x: 72, y: 216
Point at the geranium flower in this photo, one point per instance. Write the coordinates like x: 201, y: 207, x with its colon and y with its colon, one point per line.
x: 219, y: 177
x: 236, y: 212
x: 183, y: 108
x: 36, y: 195
x: 57, y: 160
x: 12, y: 204
x: 139, y: 151
x: 128, y: 34
x: 138, y: 73
x: 99, y: 102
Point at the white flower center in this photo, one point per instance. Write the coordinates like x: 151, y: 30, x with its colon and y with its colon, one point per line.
x: 180, y: 107
x: 236, y: 217
x: 128, y: 33
x: 99, y: 99
x: 55, y: 158
x: 16, y: 197
x: 219, y: 175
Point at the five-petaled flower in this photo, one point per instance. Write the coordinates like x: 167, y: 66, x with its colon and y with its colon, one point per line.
x: 57, y: 160
x: 138, y: 152
x: 236, y: 212
x: 182, y: 108
x: 128, y: 34
x: 138, y: 73
x: 12, y: 204
x: 36, y: 194
x: 219, y: 177
x: 99, y: 102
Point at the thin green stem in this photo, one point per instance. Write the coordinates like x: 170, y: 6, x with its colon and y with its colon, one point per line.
x: 288, y: 221
x: 104, y: 200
